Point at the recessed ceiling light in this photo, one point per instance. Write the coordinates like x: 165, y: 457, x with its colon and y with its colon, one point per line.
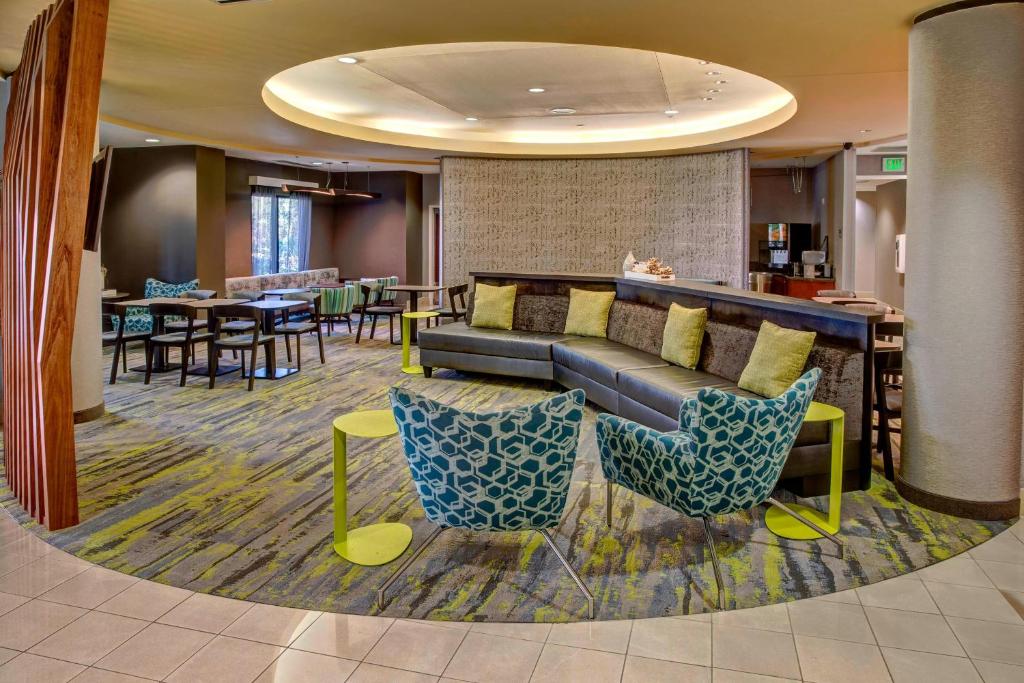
x: 671, y: 112
x: 714, y: 90
x: 536, y: 90
x: 720, y: 82
x: 348, y: 60
x: 318, y: 163
x: 703, y: 61
x: 707, y: 99
x: 562, y: 110
x: 713, y: 73
x: 154, y: 140
x: 865, y: 130
x: 472, y: 118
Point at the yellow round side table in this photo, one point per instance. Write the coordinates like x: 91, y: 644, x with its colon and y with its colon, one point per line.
x: 786, y: 526
x: 407, y: 366
x: 375, y: 544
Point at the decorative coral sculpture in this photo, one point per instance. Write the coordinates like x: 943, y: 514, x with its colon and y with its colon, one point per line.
x: 652, y: 266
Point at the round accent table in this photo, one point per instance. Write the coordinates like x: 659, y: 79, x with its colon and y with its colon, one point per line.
x: 407, y: 367
x: 786, y: 526
x: 375, y: 544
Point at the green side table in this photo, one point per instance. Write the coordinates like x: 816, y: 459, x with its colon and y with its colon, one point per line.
x: 786, y: 526
x: 407, y: 366
x: 375, y: 544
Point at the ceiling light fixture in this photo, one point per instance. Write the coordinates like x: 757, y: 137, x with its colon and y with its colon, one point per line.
x: 562, y: 110
x: 335, y: 191
x: 720, y: 82
x: 154, y: 140
x: 472, y: 118
x: 714, y: 90
x: 707, y: 99
x: 348, y: 60
x: 318, y: 163
x: 865, y: 130
x: 671, y: 112
x: 703, y: 61
x: 536, y: 90
x: 713, y: 73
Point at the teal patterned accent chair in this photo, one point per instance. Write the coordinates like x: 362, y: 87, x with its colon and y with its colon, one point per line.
x: 138, y: 319
x: 501, y: 471
x: 726, y: 457
x: 336, y: 304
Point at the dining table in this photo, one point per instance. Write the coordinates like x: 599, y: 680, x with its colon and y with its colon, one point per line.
x: 413, y: 291
x: 270, y: 309
x: 160, y: 363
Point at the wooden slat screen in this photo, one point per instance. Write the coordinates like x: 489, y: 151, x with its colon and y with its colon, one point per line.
x: 49, y: 138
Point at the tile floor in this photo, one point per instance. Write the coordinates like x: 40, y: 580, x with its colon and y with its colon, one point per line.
x: 64, y: 619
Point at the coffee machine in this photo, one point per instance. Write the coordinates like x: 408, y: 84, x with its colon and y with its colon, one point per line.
x: 813, y: 261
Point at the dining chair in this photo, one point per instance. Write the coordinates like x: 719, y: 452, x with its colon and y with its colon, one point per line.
x: 506, y: 470
x: 336, y: 304
x: 118, y: 336
x: 198, y: 294
x: 297, y: 329
x: 243, y: 342
x: 888, y: 394
x: 182, y: 340
x: 374, y: 309
x: 456, y: 304
x: 726, y: 456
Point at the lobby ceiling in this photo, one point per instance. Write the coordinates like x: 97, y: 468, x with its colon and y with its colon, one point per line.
x: 196, y: 70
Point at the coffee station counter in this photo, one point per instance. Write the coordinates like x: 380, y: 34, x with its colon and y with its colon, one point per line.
x: 800, y: 287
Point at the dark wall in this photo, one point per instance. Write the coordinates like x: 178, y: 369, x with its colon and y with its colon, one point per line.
x: 149, y: 222
x: 210, y: 243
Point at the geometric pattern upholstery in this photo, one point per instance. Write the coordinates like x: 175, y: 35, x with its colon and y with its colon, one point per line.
x: 501, y: 471
x: 727, y: 455
x: 137, y: 319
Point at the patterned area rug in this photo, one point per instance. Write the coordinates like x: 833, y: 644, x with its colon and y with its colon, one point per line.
x: 229, y: 492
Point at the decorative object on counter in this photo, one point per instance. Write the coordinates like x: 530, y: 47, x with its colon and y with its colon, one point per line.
x: 628, y: 264
x: 650, y: 269
x: 811, y: 261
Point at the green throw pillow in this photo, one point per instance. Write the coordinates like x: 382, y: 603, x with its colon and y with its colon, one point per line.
x: 684, y: 332
x: 588, y: 313
x: 777, y: 360
x: 493, y: 306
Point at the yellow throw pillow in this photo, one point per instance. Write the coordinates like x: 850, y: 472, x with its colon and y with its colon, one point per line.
x: 493, y: 306
x: 588, y: 313
x: 777, y: 360
x: 684, y: 332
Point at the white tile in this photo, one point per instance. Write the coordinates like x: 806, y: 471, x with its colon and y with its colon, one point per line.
x: 24, y: 626
x: 145, y: 600
x: 676, y: 640
x: 823, y: 660
x: 1005, y: 575
x: 90, y: 588
x: 42, y: 574
x: 155, y: 652
x: 610, y: 636
x: 972, y: 602
x: 1005, y: 547
x: 535, y: 632
x: 482, y: 657
x: 418, y: 647
x: 962, y: 570
x: 997, y: 672
x: 9, y: 602
x: 90, y: 638
x: 561, y: 664
x: 206, y: 613
x: 990, y: 640
x: 295, y: 666
x: 644, y: 670
x: 820, y: 618
x: 271, y: 624
x: 753, y: 651
x: 344, y: 635
x: 907, y: 666
x: 767, y: 618
x: 913, y: 631
x: 27, y: 668
x: 226, y: 660
x: 374, y: 673
x: 900, y: 593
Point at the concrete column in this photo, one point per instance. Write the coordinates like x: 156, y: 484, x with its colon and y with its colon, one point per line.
x: 964, y: 359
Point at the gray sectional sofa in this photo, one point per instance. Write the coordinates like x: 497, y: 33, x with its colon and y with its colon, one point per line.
x: 624, y: 373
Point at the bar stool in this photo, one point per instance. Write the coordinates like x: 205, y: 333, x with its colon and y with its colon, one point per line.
x: 781, y: 522
x: 375, y: 544
x: 407, y: 367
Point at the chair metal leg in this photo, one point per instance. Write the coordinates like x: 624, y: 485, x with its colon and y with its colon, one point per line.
x: 572, y: 572
x: 382, y: 591
x: 608, y: 503
x: 710, y: 540
x: 807, y: 522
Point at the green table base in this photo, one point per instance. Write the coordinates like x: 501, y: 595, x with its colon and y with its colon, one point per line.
x: 375, y: 544
x: 785, y: 525
x: 407, y: 366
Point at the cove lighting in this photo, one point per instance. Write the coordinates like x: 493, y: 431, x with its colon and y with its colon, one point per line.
x: 536, y: 90
x: 153, y: 140
x: 472, y: 118
x: 318, y: 163
x: 671, y: 112
x: 348, y: 60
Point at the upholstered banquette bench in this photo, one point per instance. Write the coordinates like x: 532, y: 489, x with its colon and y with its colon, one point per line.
x: 625, y: 374
x: 259, y: 283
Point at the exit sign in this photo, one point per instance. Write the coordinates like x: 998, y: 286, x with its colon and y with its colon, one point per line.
x: 894, y: 164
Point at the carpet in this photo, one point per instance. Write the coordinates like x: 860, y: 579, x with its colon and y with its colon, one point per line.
x: 229, y: 492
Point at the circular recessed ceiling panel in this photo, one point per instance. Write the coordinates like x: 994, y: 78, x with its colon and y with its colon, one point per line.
x: 528, y: 98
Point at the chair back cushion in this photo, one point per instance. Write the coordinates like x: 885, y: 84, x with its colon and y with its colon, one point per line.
x: 155, y: 288
x: 336, y: 300
x: 502, y: 471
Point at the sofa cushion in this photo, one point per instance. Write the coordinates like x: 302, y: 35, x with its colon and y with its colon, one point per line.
x: 461, y: 338
x: 588, y: 313
x: 601, y: 359
x: 664, y: 388
x: 494, y: 306
x: 637, y: 325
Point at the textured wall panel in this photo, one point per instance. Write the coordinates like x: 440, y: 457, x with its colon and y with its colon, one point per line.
x: 585, y: 215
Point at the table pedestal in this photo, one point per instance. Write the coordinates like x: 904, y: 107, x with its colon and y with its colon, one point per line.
x: 412, y: 316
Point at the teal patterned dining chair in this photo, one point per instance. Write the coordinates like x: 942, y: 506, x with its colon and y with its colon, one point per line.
x: 726, y: 457
x: 502, y: 471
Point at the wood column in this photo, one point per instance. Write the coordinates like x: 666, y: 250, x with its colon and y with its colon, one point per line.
x: 48, y: 150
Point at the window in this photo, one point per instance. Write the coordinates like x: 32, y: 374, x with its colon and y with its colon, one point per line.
x: 280, y: 231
